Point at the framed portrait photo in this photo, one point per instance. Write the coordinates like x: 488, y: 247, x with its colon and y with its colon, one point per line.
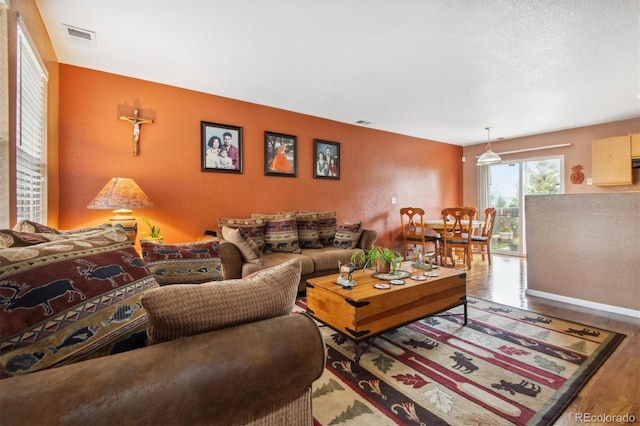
x: 221, y: 147
x: 326, y: 159
x: 280, y: 154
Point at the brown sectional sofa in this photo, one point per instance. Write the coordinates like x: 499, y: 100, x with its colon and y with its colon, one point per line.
x: 315, y: 261
x: 209, y: 378
x: 318, y: 239
x: 75, y: 308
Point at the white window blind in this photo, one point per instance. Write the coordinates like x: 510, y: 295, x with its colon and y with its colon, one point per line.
x: 31, y: 127
x: 4, y: 117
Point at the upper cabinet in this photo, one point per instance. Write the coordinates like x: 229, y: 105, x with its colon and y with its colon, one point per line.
x: 611, y: 161
x: 635, y: 145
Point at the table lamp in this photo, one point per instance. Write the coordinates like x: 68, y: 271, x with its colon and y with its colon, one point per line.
x: 122, y: 195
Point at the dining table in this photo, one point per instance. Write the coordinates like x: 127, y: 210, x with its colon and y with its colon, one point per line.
x: 438, y: 225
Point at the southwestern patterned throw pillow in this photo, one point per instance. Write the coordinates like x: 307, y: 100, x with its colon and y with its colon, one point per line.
x: 35, y: 227
x: 281, y: 233
x: 66, y: 300
x: 11, y: 238
x: 254, y: 228
x: 26, y: 233
x: 327, y: 225
x: 186, y: 263
x: 249, y: 250
x: 348, y: 235
x: 30, y: 226
x: 308, y: 236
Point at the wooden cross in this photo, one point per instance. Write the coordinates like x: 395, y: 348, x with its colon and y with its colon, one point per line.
x: 136, y: 121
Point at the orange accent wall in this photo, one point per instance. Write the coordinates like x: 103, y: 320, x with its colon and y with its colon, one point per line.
x: 375, y: 165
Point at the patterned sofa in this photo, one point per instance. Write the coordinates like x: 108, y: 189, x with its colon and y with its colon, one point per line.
x: 315, y: 238
x: 87, y: 336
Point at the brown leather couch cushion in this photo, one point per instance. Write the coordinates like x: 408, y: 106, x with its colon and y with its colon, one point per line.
x: 274, y: 259
x: 218, y: 378
x: 326, y: 259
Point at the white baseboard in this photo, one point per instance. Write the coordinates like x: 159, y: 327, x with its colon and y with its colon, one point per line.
x: 584, y: 303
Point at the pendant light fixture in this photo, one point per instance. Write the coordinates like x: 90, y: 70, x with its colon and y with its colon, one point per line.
x: 488, y: 157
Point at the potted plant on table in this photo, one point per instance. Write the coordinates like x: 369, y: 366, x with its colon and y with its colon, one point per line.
x: 154, y: 233
x: 383, y: 259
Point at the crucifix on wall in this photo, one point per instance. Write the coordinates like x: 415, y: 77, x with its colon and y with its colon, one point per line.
x: 137, y: 122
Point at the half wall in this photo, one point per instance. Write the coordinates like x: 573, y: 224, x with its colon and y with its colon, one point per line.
x: 585, y: 249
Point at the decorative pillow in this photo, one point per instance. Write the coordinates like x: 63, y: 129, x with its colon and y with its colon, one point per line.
x: 327, y: 225
x: 308, y: 236
x: 186, y: 263
x: 279, y: 215
x: 255, y: 228
x: 249, y: 250
x: 180, y: 311
x: 281, y: 234
x: 35, y: 227
x: 11, y: 238
x: 290, y: 214
x: 68, y: 300
x: 30, y: 226
x: 347, y: 235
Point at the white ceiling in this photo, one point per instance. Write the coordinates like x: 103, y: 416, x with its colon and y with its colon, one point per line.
x: 436, y: 69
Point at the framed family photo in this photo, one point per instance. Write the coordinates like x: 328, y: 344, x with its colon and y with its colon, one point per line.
x: 280, y: 154
x: 220, y: 147
x: 326, y: 159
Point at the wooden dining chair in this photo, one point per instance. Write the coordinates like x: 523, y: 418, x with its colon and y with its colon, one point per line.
x: 458, y: 230
x: 413, y: 231
x: 484, y: 240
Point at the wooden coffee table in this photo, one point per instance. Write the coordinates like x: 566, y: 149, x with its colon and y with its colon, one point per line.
x: 363, y: 312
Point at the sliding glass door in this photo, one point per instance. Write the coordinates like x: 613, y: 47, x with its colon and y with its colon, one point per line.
x: 508, y: 183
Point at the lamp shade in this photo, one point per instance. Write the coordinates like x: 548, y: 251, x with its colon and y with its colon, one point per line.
x: 488, y: 157
x: 121, y: 193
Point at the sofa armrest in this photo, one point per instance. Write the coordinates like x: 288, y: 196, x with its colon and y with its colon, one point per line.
x: 367, y: 239
x: 231, y: 260
x: 211, y: 378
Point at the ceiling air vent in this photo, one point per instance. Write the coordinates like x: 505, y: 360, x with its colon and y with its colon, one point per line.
x: 80, y: 36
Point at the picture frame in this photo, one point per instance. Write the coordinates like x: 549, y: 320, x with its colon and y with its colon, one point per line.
x: 323, y: 168
x: 213, y: 159
x: 280, y: 154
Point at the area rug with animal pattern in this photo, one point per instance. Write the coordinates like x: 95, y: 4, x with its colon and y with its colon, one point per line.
x: 506, y: 366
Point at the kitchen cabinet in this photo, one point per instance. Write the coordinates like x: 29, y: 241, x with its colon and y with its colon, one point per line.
x: 635, y: 145
x: 611, y: 161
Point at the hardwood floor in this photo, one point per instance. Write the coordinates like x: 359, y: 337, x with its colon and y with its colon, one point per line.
x: 614, y: 390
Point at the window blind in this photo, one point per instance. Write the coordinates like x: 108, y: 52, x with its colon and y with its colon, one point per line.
x: 31, y: 132
x: 4, y: 117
